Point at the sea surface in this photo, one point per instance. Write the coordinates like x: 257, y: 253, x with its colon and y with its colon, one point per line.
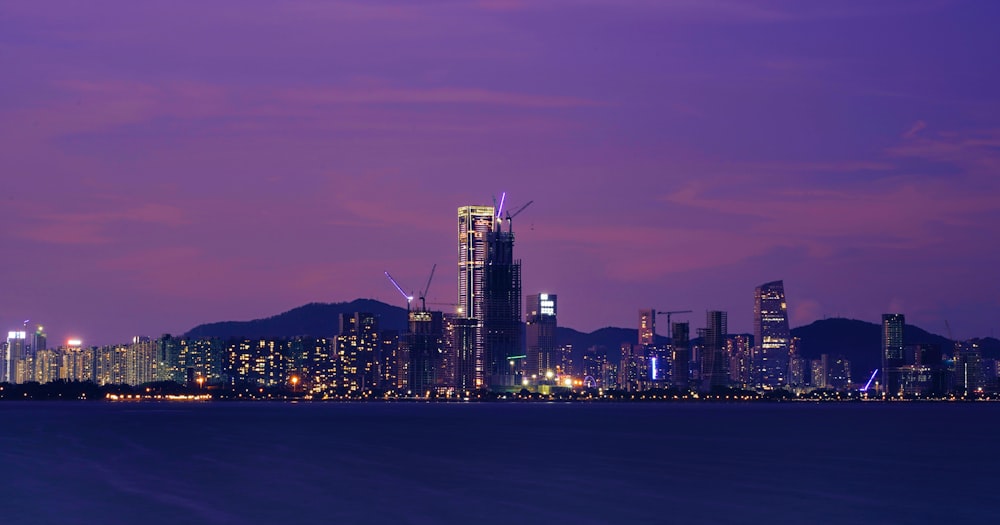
x: 480, y: 463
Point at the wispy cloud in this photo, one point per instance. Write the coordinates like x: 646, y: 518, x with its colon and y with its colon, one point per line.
x: 92, y: 226
x: 445, y: 95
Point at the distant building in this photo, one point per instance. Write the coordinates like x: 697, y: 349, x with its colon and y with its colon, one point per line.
x: 680, y: 356
x: 892, y: 352
x: 740, y: 350
x: 797, y: 371
x: 771, y: 335
x: 423, y: 348
x: 356, y: 356
x: 967, y: 377
x: 461, y: 337
x: 318, y: 367
x: 647, y: 327
x: 714, y: 361
x: 797, y: 364
x: 540, y: 329
x: 39, y: 340
x: 818, y: 372
x: 839, y: 374
x: 76, y: 362
x: 249, y: 363
x: 596, y: 366
x: 388, y: 360
x: 564, y: 362
x: 632, y: 372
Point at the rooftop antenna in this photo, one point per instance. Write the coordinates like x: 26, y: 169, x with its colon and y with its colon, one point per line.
x: 399, y: 288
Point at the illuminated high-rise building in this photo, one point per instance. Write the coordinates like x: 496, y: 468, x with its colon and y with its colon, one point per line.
x: 17, y: 357
x: 647, y: 327
x: 475, y: 224
x: 595, y: 367
x: 77, y: 362
x: 771, y: 335
x: 740, y: 350
x: 388, y: 360
x: 633, y: 371
x: 893, y: 352
x: 357, y: 353
x: 140, y: 361
x: 200, y: 358
x: 47, y: 364
x: 319, y: 368
x: 540, y: 328
x: 967, y: 376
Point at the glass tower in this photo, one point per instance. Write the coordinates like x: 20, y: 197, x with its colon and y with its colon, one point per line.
x: 771, y: 335
x: 892, y: 351
x: 475, y: 224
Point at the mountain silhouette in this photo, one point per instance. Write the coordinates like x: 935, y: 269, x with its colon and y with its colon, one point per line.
x: 858, y: 341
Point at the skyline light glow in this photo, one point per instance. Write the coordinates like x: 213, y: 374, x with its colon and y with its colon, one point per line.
x: 167, y: 164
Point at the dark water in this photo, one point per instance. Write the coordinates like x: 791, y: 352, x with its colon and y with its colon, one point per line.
x: 498, y: 463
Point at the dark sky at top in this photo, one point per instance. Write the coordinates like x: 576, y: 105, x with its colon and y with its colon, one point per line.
x: 167, y: 163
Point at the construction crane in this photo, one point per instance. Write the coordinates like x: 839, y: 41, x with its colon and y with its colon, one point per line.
x: 453, y: 305
x: 423, y: 294
x: 510, y: 216
x: 409, y: 298
x: 954, y: 343
x: 669, y: 313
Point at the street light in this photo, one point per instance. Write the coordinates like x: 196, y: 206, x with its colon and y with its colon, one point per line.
x: 295, y: 382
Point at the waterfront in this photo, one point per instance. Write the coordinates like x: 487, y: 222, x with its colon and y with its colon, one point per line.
x: 132, y: 463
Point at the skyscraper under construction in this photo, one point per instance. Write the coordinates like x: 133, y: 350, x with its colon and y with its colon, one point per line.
x: 489, y: 290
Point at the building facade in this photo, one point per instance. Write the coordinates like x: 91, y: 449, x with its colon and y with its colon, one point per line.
x: 540, y: 330
x: 714, y: 360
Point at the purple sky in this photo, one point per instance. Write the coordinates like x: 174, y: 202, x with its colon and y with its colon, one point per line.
x: 168, y: 163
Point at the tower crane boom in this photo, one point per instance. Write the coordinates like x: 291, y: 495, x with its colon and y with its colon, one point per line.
x: 399, y: 288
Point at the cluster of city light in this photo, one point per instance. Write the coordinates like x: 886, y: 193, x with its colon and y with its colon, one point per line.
x: 159, y: 397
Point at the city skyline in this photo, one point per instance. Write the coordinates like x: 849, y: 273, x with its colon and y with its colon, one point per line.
x: 160, y: 174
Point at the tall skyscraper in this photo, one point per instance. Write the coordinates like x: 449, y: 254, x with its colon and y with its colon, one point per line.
x: 647, y: 327
x: 39, y: 340
x: 771, y: 335
x: 680, y: 356
x: 460, y: 332
x: 893, y: 351
x: 714, y: 362
x: 740, y: 350
x: 17, y: 354
x: 541, y: 334
x: 475, y: 224
x: 501, y: 318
